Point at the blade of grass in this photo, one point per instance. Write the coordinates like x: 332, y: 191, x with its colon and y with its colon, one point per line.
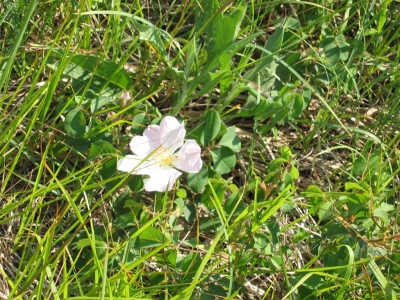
x: 6, y: 68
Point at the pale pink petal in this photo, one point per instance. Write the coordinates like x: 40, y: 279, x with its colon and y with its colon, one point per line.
x: 152, y: 134
x: 171, y: 133
x: 136, y: 165
x: 126, y: 96
x: 144, y: 145
x: 188, y: 157
x: 161, y: 179
x: 129, y: 164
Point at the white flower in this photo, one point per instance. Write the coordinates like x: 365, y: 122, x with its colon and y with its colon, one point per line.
x: 155, y: 155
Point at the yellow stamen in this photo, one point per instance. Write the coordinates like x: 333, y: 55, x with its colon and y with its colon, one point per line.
x: 163, y: 157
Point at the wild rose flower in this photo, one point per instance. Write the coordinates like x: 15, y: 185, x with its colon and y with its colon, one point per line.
x: 155, y: 155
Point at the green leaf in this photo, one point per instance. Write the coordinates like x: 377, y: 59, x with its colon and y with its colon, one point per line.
x: 224, y: 32
x: 216, y: 291
x: 231, y: 203
x: 352, y: 186
x: 139, y: 122
x: 286, y: 153
x: 382, y: 15
x: 108, y: 170
x: 170, y: 257
x: 204, y: 12
x: 335, y: 49
x: 135, y: 184
x: 191, y: 60
x: 330, y: 50
x: 218, y: 188
x: 325, y: 211
x: 380, y: 213
x: 296, y: 106
x: 75, y: 124
x: 124, y: 221
x: 197, y: 181
x: 211, y: 128
x: 210, y: 81
x: 189, y: 211
x: 273, y: 45
x: 287, y: 206
x: 190, y: 264
x: 98, y: 103
x: 94, y: 78
x: 105, y: 69
x: 317, y: 198
x: 100, y: 148
x: 150, y: 33
x: 88, y: 242
x: 294, y: 172
x: 263, y: 109
x: 358, y: 198
x: 224, y: 159
x: 231, y: 140
x: 343, y: 46
x: 277, y: 163
x: 359, y: 166
x: 387, y: 207
x: 151, y: 237
x: 181, y: 193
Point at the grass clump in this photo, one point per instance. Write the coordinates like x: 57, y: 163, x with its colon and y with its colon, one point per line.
x: 294, y: 105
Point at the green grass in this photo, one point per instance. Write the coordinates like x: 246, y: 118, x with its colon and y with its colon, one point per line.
x: 295, y: 105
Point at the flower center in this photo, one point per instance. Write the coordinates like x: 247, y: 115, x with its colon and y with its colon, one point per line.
x: 164, y: 157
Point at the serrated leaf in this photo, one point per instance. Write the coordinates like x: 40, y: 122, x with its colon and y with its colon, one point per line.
x: 197, y: 181
x: 358, y: 198
x: 75, y: 124
x: 352, y: 186
x: 224, y: 159
x: 170, y: 257
x: 151, y: 237
x: 231, y: 140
